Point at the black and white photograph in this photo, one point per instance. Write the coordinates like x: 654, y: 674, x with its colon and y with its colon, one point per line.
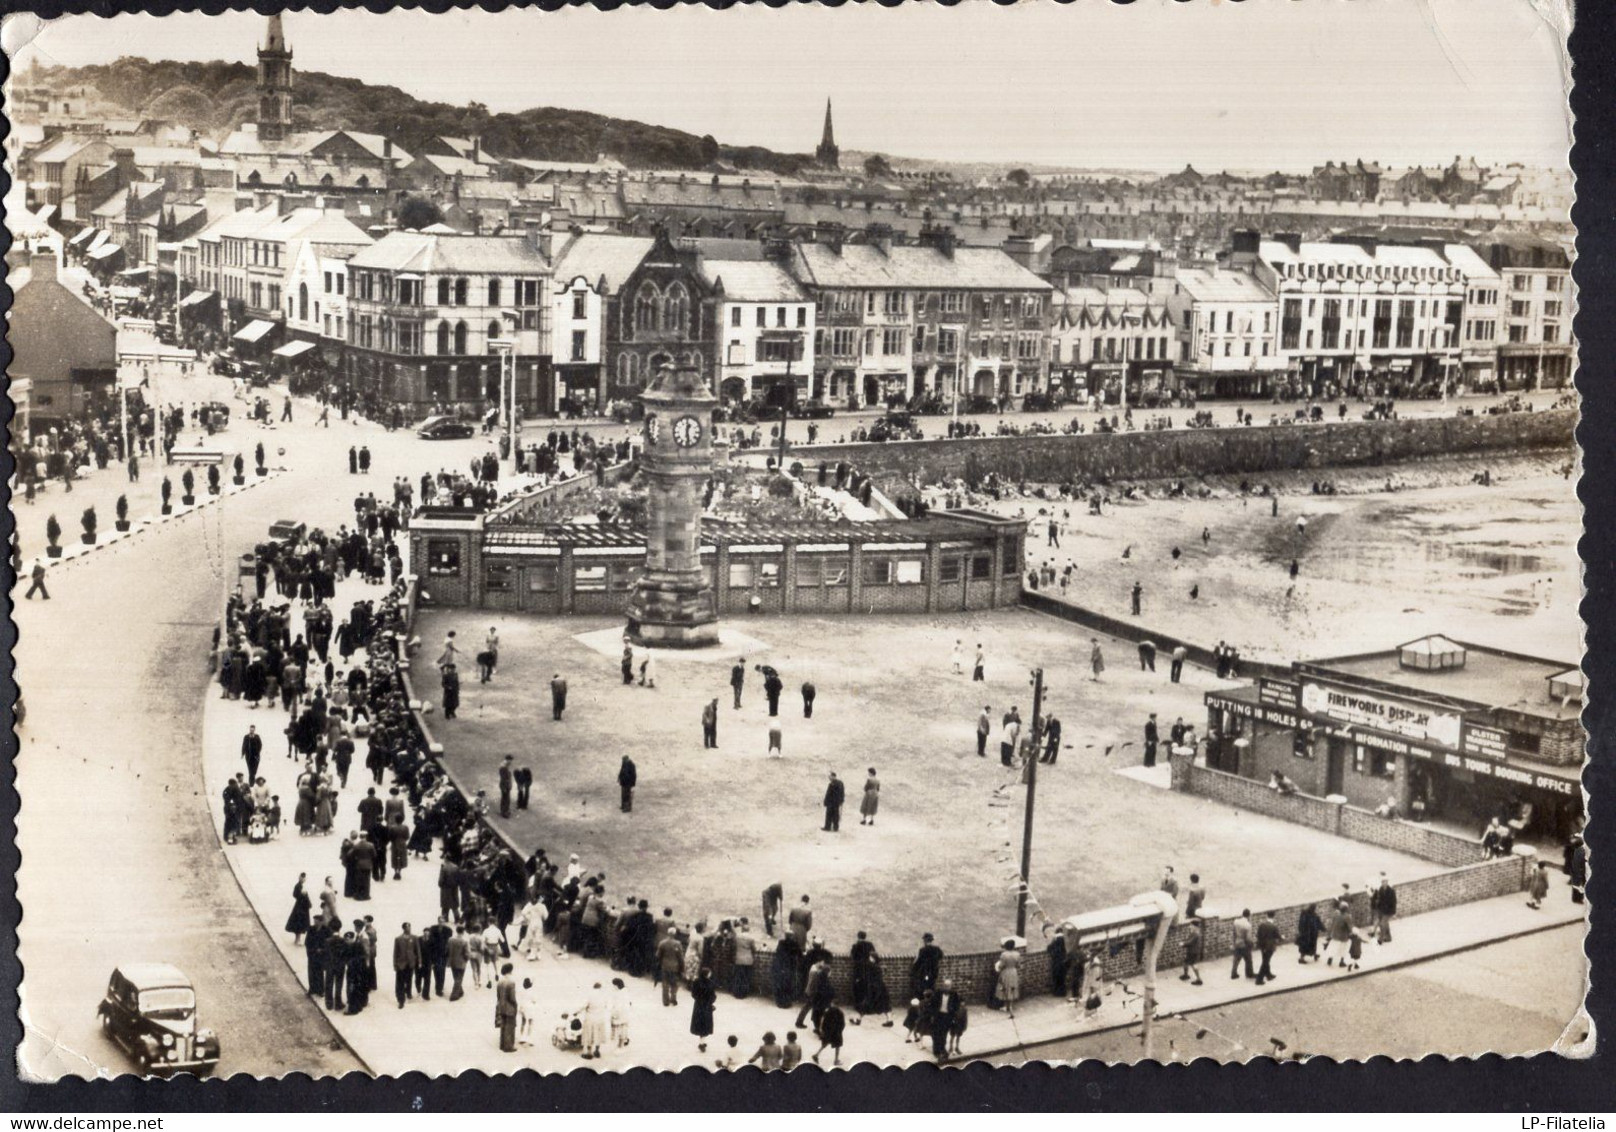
x: 789, y: 538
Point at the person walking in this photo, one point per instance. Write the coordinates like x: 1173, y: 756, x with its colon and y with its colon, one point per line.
x: 832, y: 1026
x: 800, y: 922
x: 1137, y: 598
x: 703, y: 996
x: 1340, y: 936
x: 451, y: 691
x: 1152, y: 738
x: 1242, y: 944
x: 772, y: 687
x: 1194, y: 949
x: 37, y: 581
x: 558, y: 696
x: 1267, y: 944
x: 737, y: 680
x: 872, y: 799
x: 808, y: 694
x: 1309, y: 927
x: 709, y: 725
x: 956, y: 658
x: 364, y: 460
x: 1180, y: 653
x: 835, y: 795
x: 1096, y: 659
x: 1576, y: 867
x: 459, y: 958
x: 1383, y: 904
x: 1007, y: 985
x: 942, y: 1010
x: 627, y: 776
x: 1538, y: 885
x: 979, y: 668
x: 252, y: 750
x: 984, y: 726
x: 406, y: 959
x: 628, y: 662
x: 298, y: 922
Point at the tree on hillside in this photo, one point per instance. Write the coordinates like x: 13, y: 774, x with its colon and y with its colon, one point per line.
x: 1020, y: 178
x: 418, y: 212
x: 877, y: 166
x: 709, y: 149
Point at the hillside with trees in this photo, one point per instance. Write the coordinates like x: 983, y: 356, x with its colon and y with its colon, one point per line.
x: 214, y: 97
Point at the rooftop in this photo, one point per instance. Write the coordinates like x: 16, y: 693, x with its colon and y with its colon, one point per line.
x: 424, y: 252
x: 1490, y: 678
x: 907, y: 266
x: 595, y: 257
x: 716, y: 533
x: 1222, y: 286
x: 753, y: 281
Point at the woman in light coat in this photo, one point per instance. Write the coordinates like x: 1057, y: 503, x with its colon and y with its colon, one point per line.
x: 1008, y: 967
x: 595, y: 1016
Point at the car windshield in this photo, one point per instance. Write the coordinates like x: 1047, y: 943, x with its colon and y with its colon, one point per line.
x: 168, y: 1002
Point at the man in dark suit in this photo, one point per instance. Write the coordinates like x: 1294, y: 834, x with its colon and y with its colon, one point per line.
x: 737, y: 679
x: 505, y: 1009
x: 459, y: 957
x: 252, y: 749
x: 808, y: 694
x: 434, y: 958
x: 627, y: 776
x: 1052, y: 732
x: 406, y: 961
x: 835, y: 795
x: 1267, y: 944
x: 524, y: 786
x: 945, y: 1006
x: 558, y: 704
x: 1152, y: 737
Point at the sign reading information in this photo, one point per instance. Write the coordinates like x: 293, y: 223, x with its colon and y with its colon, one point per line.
x: 1411, y: 721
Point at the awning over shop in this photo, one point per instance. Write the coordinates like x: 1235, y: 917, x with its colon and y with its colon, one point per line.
x: 194, y: 298
x: 292, y: 349
x: 254, y: 330
x: 131, y: 272
x: 46, y: 212
x: 99, y: 239
x: 83, y: 235
x: 105, y: 251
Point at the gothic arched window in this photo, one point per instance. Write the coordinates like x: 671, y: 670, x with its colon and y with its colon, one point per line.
x: 494, y: 333
x: 647, y: 307
x: 443, y: 336
x: 303, y: 302
x: 460, y: 338
x: 460, y: 292
x: 676, y: 310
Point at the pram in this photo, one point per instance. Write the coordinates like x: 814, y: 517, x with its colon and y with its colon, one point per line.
x: 569, y: 1035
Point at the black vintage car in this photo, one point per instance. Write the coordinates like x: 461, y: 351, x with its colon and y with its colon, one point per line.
x: 445, y: 428
x: 813, y: 411
x: 150, y: 1010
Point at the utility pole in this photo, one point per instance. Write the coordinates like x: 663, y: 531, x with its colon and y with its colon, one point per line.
x: 1032, y: 795
x: 785, y: 402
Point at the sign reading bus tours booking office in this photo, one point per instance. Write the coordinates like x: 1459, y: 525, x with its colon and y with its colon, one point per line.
x: 1359, y: 709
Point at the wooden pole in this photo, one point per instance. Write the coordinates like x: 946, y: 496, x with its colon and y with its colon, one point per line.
x: 1032, y: 795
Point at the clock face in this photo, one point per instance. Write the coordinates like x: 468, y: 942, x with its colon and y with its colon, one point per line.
x: 686, y: 432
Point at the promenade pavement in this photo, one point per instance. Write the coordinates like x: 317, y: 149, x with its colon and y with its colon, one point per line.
x: 439, y: 1036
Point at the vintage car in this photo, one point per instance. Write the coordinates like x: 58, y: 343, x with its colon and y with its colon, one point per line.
x: 813, y: 411
x: 150, y: 1010
x: 445, y: 428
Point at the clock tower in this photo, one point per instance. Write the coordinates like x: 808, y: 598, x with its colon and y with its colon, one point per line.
x: 673, y: 605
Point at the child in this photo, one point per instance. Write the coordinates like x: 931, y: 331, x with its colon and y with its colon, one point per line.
x: 911, y: 1022
x: 769, y: 1055
x: 474, y: 957
x: 1193, y: 944
x: 257, y: 828
x: 791, y: 1055
x: 956, y: 1029
x: 272, y: 819
x: 527, y: 1010
x: 1354, y: 950
x: 731, y: 1054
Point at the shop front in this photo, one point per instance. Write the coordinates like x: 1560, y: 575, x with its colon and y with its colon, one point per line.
x: 1431, y: 747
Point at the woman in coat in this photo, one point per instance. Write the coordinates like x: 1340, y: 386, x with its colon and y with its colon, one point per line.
x: 1538, y: 886
x: 298, y: 922
x: 872, y: 799
x: 702, y: 996
x: 304, y: 815
x: 877, y: 1000
x: 596, y: 1017
x: 1096, y: 659
x: 1008, y: 990
x: 324, y: 807
x: 1309, y: 926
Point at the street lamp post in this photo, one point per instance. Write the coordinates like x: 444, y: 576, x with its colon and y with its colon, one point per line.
x: 1032, y: 795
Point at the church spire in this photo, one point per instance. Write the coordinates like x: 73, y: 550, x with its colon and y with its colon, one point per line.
x: 828, y: 154
x: 275, y: 41
x: 274, y: 84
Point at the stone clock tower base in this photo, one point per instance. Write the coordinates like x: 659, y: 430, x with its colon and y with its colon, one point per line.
x: 672, y: 605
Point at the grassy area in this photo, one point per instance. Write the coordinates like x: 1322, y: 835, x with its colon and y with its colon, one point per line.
x: 710, y: 829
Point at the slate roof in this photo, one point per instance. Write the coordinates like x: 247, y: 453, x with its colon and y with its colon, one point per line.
x: 1222, y: 286
x: 907, y: 266
x: 754, y: 281
x: 594, y: 256
x: 419, y: 251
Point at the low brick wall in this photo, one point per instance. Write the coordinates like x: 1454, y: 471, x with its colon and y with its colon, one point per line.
x: 1413, y: 838
x: 1135, y: 632
x: 1188, y: 453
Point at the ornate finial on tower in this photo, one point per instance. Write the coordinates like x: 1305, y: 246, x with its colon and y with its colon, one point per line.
x: 827, y: 154
x: 275, y: 41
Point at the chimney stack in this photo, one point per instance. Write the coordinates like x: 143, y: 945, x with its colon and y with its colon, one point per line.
x: 387, y: 149
x: 880, y: 237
